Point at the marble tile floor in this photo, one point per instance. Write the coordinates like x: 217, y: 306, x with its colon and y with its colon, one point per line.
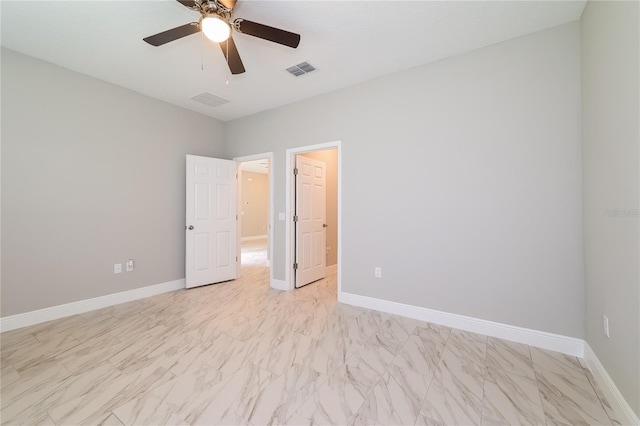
x: 240, y: 353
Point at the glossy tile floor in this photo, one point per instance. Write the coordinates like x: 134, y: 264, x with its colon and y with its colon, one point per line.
x: 242, y: 353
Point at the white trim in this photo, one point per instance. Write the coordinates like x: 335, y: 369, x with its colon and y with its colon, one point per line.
x: 255, y: 237
x: 60, y: 311
x: 332, y: 269
x: 279, y: 285
x: 289, y: 191
x: 541, y: 339
x: 619, y: 405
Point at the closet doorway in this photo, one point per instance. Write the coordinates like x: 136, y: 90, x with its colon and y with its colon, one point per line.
x: 329, y: 157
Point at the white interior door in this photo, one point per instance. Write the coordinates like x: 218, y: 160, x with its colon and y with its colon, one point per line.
x: 310, y: 223
x: 211, y: 228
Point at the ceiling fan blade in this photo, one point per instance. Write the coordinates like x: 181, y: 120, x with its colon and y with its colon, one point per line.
x: 232, y: 56
x: 172, y: 34
x: 266, y: 32
x: 191, y: 4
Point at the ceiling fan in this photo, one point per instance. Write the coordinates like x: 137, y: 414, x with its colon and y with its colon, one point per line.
x: 216, y: 23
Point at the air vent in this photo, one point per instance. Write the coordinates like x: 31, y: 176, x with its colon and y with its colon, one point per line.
x: 210, y: 99
x: 301, y: 68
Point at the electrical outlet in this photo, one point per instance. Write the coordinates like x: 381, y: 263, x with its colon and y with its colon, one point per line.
x: 117, y: 268
x: 129, y: 265
x: 605, y: 324
x: 378, y: 272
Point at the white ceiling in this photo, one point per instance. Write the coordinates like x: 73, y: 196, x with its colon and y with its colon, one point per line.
x: 256, y: 166
x: 347, y: 41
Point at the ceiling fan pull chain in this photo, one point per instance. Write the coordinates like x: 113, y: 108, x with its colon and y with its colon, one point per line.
x: 227, y: 56
x: 201, y: 51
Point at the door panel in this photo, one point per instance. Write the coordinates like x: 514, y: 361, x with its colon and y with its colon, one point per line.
x: 223, y: 250
x: 311, y: 211
x: 223, y: 210
x: 211, y: 212
x: 201, y: 252
x: 202, y: 201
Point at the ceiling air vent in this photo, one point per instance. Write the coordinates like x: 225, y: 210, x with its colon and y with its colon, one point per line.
x: 301, y: 68
x: 210, y: 99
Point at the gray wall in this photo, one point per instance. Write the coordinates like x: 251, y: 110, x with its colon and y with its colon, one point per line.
x: 611, y: 150
x: 254, y: 208
x: 461, y: 179
x: 92, y: 174
x: 330, y: 158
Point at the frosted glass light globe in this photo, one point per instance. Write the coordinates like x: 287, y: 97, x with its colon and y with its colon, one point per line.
x: 215, y: 29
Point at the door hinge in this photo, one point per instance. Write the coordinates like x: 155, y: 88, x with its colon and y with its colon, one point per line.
x: 236, y: 217
x: 295, y: 171
x: 295, y: 218
x: 236, y: 258
x: 295, y: 266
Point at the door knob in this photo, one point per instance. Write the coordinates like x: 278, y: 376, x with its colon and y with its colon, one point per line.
x: 324, y: 225
x: 190, y: 227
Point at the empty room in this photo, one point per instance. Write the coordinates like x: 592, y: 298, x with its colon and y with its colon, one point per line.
x: 243, y: 212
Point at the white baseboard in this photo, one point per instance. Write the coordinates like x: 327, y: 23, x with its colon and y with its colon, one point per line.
x: 54, y: 312
x: 332, y: 269
x: 619, y: 405
x: 255, y: 237
x: 279, y: 284
x: 541, y: 339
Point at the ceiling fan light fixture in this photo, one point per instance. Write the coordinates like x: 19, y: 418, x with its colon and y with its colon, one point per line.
x: 215, y: 28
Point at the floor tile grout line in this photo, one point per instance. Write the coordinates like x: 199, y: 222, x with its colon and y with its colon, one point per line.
x: 369, y: 393
x: 540, y: 394
x: 119, y: 419
x: 535, y: 377
x: 312, y: 298
x: 599, y: 399
x: 51, y: 418
x: 437, y: 365
x: 484, y: 381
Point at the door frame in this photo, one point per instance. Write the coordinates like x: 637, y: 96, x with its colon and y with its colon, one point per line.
x: 242, y: 159
x: 290, y: 203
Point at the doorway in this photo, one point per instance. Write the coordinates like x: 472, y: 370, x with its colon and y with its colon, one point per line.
x: 255, y: 211
x: 322, y: 155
